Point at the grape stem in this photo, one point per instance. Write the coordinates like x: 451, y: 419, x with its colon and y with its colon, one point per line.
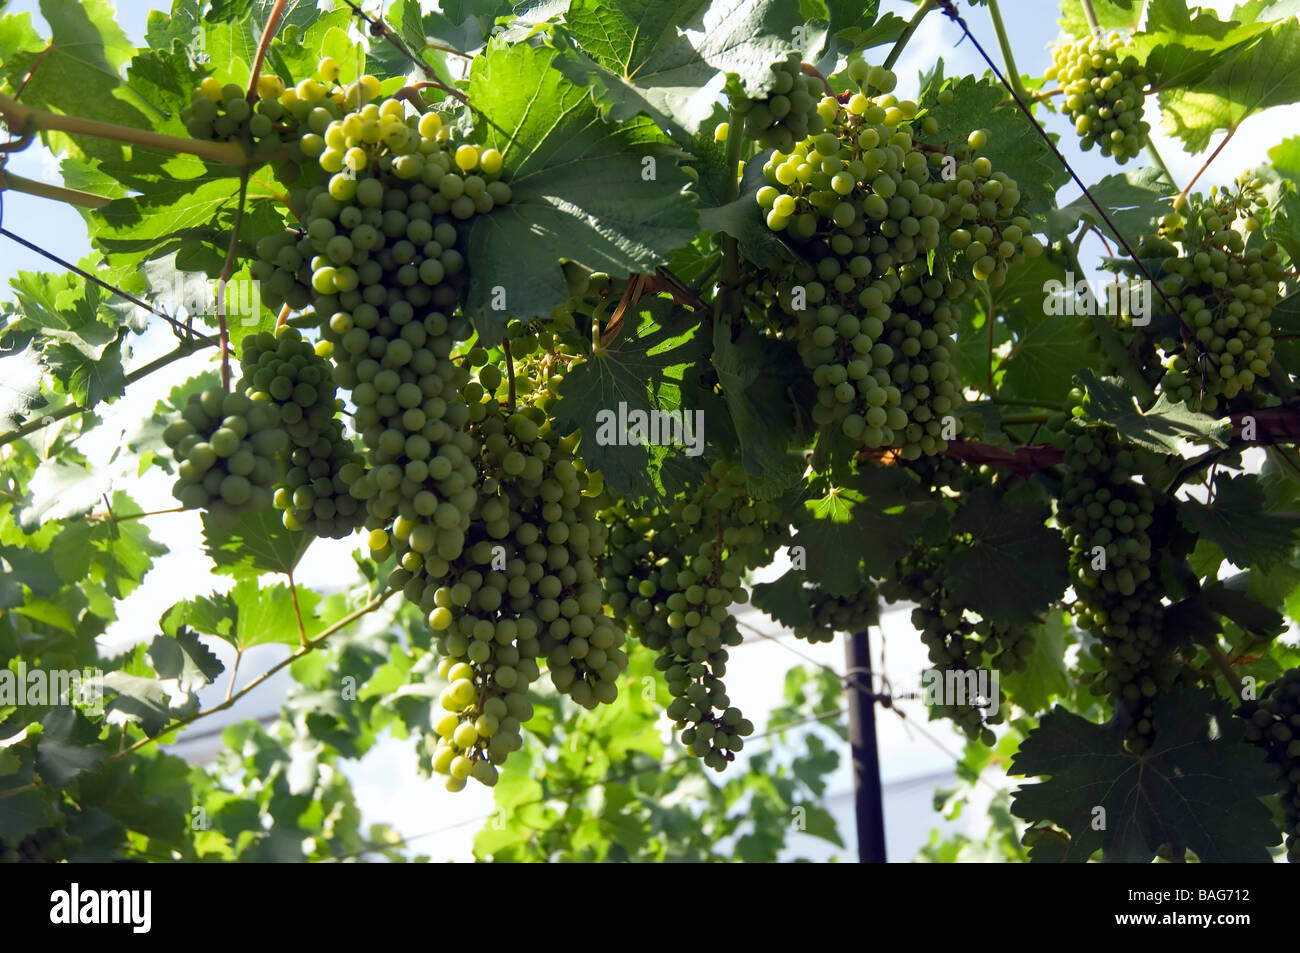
x: 1013, y: 74
x: 380, y: 28
x: 730, y: 246
x: 272, y: 21
x: 1222, y: 664
x: 809, y: 70
x: 16, y: 116
x: 1158, y: 159
x: 906, y: 35
x: 293, y: 591
x: 1182, y: 196
x: 227, y: 270
x: 18, y: 183
x: 1093, y: 23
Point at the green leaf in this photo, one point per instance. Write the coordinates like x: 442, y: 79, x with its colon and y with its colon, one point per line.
x: 1111, y: 15
x: 1014, y: 566
x: 743, y: 218
x: 1044, y: 676
x: 755, y: 373
x: 1179, y: 49
x: 1252, y: 76
x: 870, y: 519
x: 641, y: 370
x: 251, y: 614
x: 1013, y: 146
x: 640, y: 62
x: 575, y: 180
x: 785, y: 600
x: 1043, y: 361
x: 1167, y: 427
x: 1198, y: 787
x: 1134, y: 201
x: 1237, y: 521
x: 185, y: 659
x: 1285, y: 157
x: 256, y: 544
x: 745, y: 37
x: 1253, y: 617
x: 67, y: 747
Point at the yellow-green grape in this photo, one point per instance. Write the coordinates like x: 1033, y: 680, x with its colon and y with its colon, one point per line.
x: 1104, y: 91
x: 1225, y: 289
x: 673, y: 577
x: 1106, y: 515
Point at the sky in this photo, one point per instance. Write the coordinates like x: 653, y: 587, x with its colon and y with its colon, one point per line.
x: 386, y: 785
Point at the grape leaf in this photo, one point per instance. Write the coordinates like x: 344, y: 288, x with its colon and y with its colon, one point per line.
x: 1042, y: 361
x: 1237, y: 521
x: 755, y: 373
x: 785, y: 599
x: 639, y: 60
x: 1233, y: 603
x: 1044, y: 676
x: 185, y: 659
x: 871, y: 518
x: 1013, y: 567
x: 1013, y: 145
x: 640, y: 370
x: 1198, y: 787
x: 67, y: 746
x: 1111, y: 15
x: 580, y: 188
x: 1166, y: 428
x: 745, y: 37
x: 1178, y: 48
x: 1252, y: 76
x: 743, y: 218
x: 249, y: 615
x: 257, y: 543
x: 1285, y: 157
x: 1134, y: 200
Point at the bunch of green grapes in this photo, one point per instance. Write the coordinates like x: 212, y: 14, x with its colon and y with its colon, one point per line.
x: 1104, y: 95
x: 268, y: 121
x: 228, y: 451
x: 833, y: 614
x: 1225, y: 287
x: 1106, y: 515
x: 1274, y: 725
x: 525, y: 585
x: 957, y: 643
x: 673, y: 575
x: 866, y: 209
x: 322, y: 464
x: 788, y: 114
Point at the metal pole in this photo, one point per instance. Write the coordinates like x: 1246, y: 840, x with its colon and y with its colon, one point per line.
x: 866, y: 759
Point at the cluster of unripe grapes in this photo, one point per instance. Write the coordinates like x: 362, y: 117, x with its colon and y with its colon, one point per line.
x: 322, y: 464
x: 673, y: 575
x: 956, y: 641
x: 832, y: 614
x: 866, y: 207
x: 228, y: 451
x: 788, y: 114
x: 1225, y: 286
x: 1104, y: 92
x: 1274, y: 726
x: 1106, y: 516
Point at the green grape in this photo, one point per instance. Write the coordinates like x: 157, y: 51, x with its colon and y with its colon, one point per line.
x: 1273, y: 723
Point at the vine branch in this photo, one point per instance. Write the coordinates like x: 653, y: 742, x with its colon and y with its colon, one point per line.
x: 906, y: 35
x: 227, y: 270
x: 272, y: 21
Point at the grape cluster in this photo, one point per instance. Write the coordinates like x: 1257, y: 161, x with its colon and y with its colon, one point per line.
x: 1103, y: 95
x: 788, y: 114
x: 1106, y: 516
x: 1225, y: 290
x: 957, y: 642
x: 524, y: 587
x: 832, y: 614
x: 673, y: 575
x: 228, y: 452
x: 1274, y: 726
x: 322, y: 463
x: 866, y: 208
